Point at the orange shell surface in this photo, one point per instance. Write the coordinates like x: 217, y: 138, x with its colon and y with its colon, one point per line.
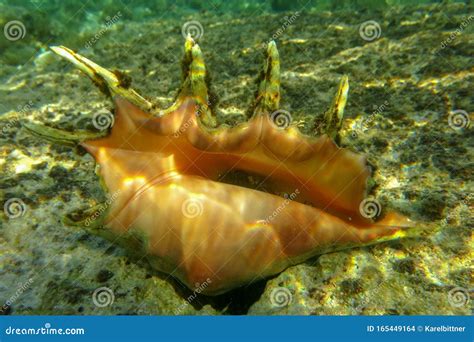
x: 164, y: 172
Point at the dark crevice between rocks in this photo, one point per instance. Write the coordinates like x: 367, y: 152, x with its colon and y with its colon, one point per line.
x: 235, y: 302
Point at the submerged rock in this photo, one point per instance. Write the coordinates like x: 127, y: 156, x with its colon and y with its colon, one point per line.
x: 407, y: 86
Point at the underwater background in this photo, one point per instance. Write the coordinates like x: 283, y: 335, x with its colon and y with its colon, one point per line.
x: 410, y: 110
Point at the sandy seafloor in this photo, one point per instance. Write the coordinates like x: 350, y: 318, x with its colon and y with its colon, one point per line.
x: 411, y: 76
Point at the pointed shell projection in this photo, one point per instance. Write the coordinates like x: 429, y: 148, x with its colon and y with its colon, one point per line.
x: 163, y: 170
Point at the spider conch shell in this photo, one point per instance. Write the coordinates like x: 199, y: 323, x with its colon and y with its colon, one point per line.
x: 163, y: 169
